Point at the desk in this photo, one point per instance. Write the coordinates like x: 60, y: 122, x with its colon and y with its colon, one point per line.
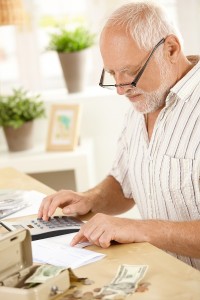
x: 169, y: 278
x: 38, y: 160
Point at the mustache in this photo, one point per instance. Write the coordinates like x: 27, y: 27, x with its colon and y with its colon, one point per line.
x: 133, y: 92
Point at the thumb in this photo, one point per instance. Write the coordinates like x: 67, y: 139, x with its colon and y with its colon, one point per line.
x: 70, y: 210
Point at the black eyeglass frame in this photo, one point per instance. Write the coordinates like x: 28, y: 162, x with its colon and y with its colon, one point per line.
x: 136, y: 79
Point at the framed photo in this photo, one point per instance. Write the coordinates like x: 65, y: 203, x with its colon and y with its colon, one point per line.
x: 63, y: 130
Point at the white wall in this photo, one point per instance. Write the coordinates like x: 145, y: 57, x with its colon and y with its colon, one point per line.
x: 101, y: 120
x: 103, y: 111
x: 102, y: 117
x: 188, y: 17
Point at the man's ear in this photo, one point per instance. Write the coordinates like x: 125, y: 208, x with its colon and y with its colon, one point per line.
x: 172, y: 48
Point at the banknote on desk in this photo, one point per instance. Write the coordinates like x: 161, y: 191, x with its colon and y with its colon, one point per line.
x: 12, y: 201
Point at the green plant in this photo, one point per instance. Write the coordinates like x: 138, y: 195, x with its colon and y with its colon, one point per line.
x: 71, y: 40
x: 19, y: 107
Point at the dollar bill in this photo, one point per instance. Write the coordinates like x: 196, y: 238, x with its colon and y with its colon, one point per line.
x: 125, y: 282
x: 43, y: 273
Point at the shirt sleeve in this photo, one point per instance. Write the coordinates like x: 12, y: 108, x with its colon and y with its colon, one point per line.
x: 120, y: 165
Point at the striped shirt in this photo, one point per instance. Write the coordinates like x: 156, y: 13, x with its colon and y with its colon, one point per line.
x: 163, y: 175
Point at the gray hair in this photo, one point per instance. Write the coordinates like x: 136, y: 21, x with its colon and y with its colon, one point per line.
x: 146, y: 22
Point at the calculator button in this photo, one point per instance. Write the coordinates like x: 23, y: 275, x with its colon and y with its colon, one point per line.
x: 30, y: 226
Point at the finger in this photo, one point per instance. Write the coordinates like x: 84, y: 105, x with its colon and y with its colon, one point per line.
x: 51, y: 202
x: 93, y: 234
x: 71, y: 209
x: 43, y: 210
x: 59, y: 199
x: 95, y: 237
x: 83, y: 234
x: 105, y: 239
x: 40, y: 210
x: 83, y: 240
x: 76, y: 205
x: 77, y: 238
x: 50, y: 207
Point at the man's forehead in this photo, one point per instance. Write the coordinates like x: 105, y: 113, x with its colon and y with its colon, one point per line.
x: 119, y: 51
x: 117, y: 37
x: 123, y: 68
x: 113, y: 34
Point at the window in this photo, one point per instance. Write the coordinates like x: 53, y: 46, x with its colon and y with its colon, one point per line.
x: 24, y: 59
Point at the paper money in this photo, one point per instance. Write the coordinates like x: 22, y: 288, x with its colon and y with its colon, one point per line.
x: 43, y: 273
x: 12, y: 201
x: 125, y: 281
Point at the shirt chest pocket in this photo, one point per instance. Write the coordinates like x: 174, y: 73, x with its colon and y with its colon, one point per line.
x: 179, y: 181
x: 178, y: 173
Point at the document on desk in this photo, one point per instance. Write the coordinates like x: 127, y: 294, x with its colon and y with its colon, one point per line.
x: 19, y: 203
x: 57, y: 251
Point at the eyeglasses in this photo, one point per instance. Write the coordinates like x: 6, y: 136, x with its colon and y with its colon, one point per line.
x: 136, y: 79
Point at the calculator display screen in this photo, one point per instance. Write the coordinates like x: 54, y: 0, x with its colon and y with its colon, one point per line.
x: 18, y: 226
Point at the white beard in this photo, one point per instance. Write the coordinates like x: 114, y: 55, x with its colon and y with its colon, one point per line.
x: 152, y: 101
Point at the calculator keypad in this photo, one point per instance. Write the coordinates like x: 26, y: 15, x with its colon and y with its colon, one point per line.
x: 54, y: 222
x: 40, y: 229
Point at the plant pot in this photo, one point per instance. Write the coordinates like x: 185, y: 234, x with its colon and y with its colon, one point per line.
x: 75, y: 69
x: 21, y: 138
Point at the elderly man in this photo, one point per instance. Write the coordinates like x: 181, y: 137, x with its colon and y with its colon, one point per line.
x: 157, y: 163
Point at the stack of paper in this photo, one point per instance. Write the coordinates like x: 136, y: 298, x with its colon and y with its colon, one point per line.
x: 12, y: 201
x: 18, y: 203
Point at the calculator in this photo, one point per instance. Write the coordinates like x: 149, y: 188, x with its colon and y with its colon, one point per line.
x: 40, y: 229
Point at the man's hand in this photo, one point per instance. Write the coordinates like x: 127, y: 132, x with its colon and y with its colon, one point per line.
x: 179, y: 237
x: 71, y: 203
x: 102, y: 229
x: 106, y: 197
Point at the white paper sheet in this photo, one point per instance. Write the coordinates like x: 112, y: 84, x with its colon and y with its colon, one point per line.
x: 56, y: 251
x: 65, y: 239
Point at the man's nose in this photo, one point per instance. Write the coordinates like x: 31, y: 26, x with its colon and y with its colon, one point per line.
x: 121, y: 90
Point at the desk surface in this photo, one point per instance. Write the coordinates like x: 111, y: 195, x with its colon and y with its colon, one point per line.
x: 169, y: 278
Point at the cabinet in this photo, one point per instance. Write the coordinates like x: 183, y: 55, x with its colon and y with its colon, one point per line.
x: 38, y: 160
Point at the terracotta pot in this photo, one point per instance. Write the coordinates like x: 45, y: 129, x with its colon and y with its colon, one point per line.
x: 21, y: 138
x: 75, y: 69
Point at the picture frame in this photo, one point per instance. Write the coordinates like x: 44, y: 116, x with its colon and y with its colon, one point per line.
x: 63, y: 128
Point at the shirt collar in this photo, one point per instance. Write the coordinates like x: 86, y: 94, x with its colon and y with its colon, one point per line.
x: 185, y: 86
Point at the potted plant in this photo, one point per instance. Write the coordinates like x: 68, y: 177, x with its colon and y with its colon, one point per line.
x: 17, y: 114
x: 72, y: 46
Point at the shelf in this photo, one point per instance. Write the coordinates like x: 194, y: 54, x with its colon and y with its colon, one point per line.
x: 38, y: 160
